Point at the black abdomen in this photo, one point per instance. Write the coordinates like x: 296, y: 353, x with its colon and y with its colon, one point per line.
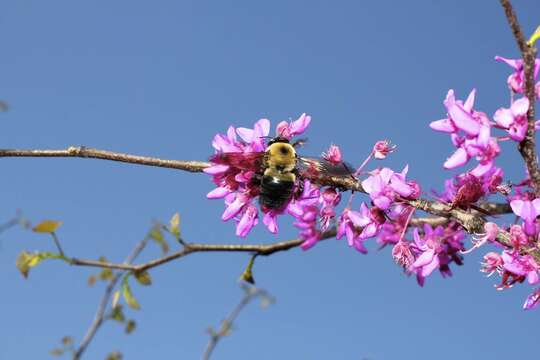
x: 275, y: 193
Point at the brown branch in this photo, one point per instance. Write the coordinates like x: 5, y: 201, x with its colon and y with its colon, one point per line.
x: 191, y: 248
x: 105, y: 299
x: 84, y: 152
x: 226, y: 325
x: 527, y: 147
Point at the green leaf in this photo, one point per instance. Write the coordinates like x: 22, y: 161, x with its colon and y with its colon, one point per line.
x: 157, y: 236
x: 534, y: 37
x: 130, y: 326
x: 128, y: 295
x: 115, y: 355
x: 174, y: 226
x: 117, y: 314
x: 47, y: 226
x: 143, y: 277
x: 115, y: 298
x: 106, y: 274
x: 25, y: 261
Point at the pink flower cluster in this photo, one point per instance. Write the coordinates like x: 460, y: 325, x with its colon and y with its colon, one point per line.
x: 233, y: 174
x: 471, y: 132
x: 387, y: 216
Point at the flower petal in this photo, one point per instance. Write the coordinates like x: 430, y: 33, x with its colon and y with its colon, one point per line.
x: 443, y: 125
x: 520, y: 106
x: 463, y: 120
x: 458, y: 158
x: 503, y: 117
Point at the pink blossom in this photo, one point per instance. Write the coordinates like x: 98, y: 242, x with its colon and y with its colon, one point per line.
x: 516, y: 81
x: 528, y: 211
x: 436, y: 249
x: 358, y: 226
x: 491, y: 230
x: 492, y: 262
x: 297, y: 127
x: 532, y: 300
x: 382, y: 148
x: 521, y: 265
x: 384, y: 185
x: 333, y: 154
x: 402, y: 254
x: 514, y: 119
x: 306, y: 212
x: 470, y: 132
x: 329, y: 199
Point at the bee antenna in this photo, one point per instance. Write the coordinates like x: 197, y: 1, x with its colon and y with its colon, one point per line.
x: 299, y: 142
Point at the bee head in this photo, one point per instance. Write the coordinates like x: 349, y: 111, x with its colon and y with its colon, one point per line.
x: 277, y: 139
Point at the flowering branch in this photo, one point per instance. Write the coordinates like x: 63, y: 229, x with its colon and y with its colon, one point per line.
x: 527, y: 146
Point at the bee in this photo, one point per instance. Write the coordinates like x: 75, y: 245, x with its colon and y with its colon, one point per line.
x: 278, y: 169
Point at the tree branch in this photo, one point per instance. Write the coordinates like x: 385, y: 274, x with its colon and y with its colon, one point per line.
x: 105, y: 299
x: 527, y: 147
x: 226, y: 325
x: 84, y: 152
x: 191, y: 248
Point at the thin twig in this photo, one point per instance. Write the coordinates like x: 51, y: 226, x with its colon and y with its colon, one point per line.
x: 527, y: 147
x: 226, y: 325
x: 105, y: 299
x: 191, y: 248
x: 57, y: 243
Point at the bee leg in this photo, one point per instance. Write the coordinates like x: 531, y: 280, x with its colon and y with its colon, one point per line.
x: 299, y: 190
x: 256, y: 179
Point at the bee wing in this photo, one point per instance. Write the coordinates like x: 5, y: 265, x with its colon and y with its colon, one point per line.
x: 318, y: 168
x: 241, y: 160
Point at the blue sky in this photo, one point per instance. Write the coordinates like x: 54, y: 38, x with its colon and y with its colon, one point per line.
x: 161, y: 79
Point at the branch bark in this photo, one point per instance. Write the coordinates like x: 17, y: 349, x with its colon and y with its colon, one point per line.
x: 84, y: 152
x: 527, y: 147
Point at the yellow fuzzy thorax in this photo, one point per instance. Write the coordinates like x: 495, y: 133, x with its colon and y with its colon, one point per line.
x: 281, y: 155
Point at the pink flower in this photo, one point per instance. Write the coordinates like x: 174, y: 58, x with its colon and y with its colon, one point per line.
x: 305, y: 210
x: 521, y: 266
x: 288, y: 130
x: 492, y: 263
x: 384, y: 185
x: 491, y: 230
x: 329, y: 199
x: 436, y: 250
x: 528, y: 211
x: 382, y: 148
x: 239, y: 206
x: 532, y: 300
x: 470, y: 132
x: 333, y: 154
x: 358, y: 226
x: 514, y: 119
x: 402, y: 254
x: 516, y: 81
